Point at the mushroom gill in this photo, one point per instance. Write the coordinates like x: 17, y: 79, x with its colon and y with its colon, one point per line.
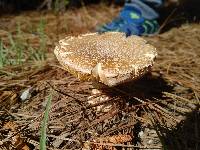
x: 110, y: 58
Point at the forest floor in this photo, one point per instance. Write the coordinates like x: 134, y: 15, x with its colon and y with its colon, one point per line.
x: 159, y: 111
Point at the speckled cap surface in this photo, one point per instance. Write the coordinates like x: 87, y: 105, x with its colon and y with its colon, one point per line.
x: 110, y: 58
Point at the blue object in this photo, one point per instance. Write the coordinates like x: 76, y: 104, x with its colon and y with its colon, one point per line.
x: 136, y: 18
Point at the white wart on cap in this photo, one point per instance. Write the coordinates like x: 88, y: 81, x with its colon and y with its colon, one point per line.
x: 110, y: 58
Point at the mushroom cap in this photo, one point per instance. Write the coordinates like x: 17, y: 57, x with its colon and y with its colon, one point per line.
x: 110, y: 58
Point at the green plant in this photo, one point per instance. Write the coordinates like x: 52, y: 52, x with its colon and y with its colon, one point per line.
x: 16, y: 49
x: 13, y: 52
x: 60, y: 5
x: 3, y: 54
x: 39, y: 54
x: 44, y: 124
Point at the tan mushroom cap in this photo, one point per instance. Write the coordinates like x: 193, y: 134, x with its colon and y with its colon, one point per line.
x: 110, y: 58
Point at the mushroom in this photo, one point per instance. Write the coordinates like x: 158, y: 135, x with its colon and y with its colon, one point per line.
x: 110, y: 58
x: 107, y: 59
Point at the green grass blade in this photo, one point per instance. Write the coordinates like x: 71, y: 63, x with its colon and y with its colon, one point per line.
x: 1, y: 55
x: 44, y: 124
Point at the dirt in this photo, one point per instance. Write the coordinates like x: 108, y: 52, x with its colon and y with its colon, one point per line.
x: 159, y: 111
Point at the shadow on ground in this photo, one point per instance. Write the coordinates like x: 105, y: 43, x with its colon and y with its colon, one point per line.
x: 176, y: 14
x: 148, y: 87
x: 185, y: 136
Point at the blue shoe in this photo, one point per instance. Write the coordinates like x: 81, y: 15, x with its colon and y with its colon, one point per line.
x: 131, y: 22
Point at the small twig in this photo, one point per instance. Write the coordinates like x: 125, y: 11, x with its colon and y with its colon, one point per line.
x: 63, y: 138
x: 103, y: 102
x: 17, y: 132
x: 47, y: 3
x: 122, y: 145
x: 76, y: 100
x: 176, y: 97
x: 166, y: 20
